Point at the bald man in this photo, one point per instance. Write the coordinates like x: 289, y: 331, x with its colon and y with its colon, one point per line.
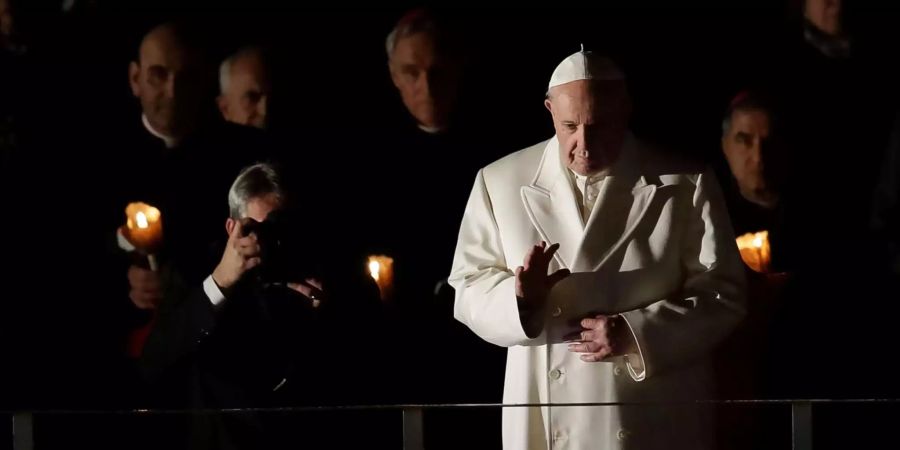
x: 177, y: 155
x: 167, y: 79
x: 245, y: 87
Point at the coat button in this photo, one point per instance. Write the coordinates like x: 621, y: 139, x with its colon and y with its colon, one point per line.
x: 617, y: 371
x: 557, y: 311
x: 622, y: 434
x: 555, y: 374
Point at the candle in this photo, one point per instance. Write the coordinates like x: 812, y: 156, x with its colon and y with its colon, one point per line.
x: 143, y: 229
x: 755, y: 251
x: 381, y: 269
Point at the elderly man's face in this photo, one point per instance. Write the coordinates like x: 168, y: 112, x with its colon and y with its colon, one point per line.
x: 168, y: 83
x: 427, y: 81
x: 749, y: 146
x: 591, y: 120
x: 245, y: 98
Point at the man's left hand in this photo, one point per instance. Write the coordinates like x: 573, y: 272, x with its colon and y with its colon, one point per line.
x: 310, y: 288
x: 599, y: 339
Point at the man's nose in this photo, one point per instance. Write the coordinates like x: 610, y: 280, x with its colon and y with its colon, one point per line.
x: 585, y: 139
x: 262, y: 105
x: 425, y: 84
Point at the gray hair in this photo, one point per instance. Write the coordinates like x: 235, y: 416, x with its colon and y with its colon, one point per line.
x: 258, y: 180
x: 751, y: 100
x: 228, y: 63
x: 415, y: 21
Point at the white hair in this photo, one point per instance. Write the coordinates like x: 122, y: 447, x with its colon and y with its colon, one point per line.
x: 416, y: 21
x: 225, y: 73
x: 228, y: 63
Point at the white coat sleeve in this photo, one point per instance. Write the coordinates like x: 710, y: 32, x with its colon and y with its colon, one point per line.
x: 678, y: 331
x: 484, y: 284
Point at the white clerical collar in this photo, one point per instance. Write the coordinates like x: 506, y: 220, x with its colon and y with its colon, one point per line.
x: 589, y: 180
x: 430, y: 130
x: 169, y: 141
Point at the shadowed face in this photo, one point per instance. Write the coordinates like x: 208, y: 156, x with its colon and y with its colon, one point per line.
x: 591, y: 121
x: 168, y: 82
x: 244, y: 100
x: 427, y: 81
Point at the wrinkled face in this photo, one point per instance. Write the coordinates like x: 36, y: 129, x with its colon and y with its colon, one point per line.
x: 427, y: 81
x: 591, y: 121
x: 751, y: 149
x: 245, y: 99
x: 168, y: 83
x: 824, y: 14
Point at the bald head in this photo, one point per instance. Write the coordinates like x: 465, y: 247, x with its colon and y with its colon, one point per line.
x: 245, y: 87
x: 591, y: 119
x: 167, y: 79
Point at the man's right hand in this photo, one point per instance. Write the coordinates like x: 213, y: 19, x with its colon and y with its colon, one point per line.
x: 532, y: 281
x: 241, y: 254
x: 145, y: 290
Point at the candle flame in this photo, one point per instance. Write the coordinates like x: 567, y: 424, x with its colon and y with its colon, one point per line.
x: 141, y: 220
x: 381, y: 269
x: 755, y: 250
x: 758, y: 241
x: 375, y: 269
x: 143, y: 226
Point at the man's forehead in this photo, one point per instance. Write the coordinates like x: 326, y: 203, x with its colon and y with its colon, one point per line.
x: 593, y: 93
x: 415, y: 48
x: 753, y: 116
x: 251, y: 64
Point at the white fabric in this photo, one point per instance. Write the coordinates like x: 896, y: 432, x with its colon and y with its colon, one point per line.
x: 212, y: 291
x: 585, y: 66
x: 168, y: 140
x: 588, y: 190
x: 430, y: 130
x: 657, y: 249
x: 123, y: 242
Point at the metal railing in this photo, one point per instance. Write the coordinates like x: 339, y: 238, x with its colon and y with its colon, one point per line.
x: 23, y: 435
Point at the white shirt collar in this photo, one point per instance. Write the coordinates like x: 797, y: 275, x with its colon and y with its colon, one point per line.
x: 582, y: 180
x: 430, y: 130
x: 169, y: 141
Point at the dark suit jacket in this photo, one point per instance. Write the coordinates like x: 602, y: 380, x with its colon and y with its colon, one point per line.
x: 260, y: 348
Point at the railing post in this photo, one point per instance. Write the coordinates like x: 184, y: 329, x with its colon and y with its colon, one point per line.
x: 412, y: 429
x: 801, y: 414
x: 23, y: 431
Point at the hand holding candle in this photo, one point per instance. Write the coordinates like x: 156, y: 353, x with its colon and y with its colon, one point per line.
x: 143, y: 229
x: 755, y: 251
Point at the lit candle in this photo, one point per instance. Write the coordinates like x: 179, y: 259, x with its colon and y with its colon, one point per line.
x: 143, y: 229
x: 755, y: 250
x: 381, y: 269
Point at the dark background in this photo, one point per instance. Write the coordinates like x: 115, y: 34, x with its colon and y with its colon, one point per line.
x: 684, y: 62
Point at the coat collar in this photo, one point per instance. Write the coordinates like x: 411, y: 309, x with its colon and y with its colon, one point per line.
x: 621, y: 205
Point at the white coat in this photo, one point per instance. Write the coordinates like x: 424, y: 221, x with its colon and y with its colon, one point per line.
x: 658, y: 249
